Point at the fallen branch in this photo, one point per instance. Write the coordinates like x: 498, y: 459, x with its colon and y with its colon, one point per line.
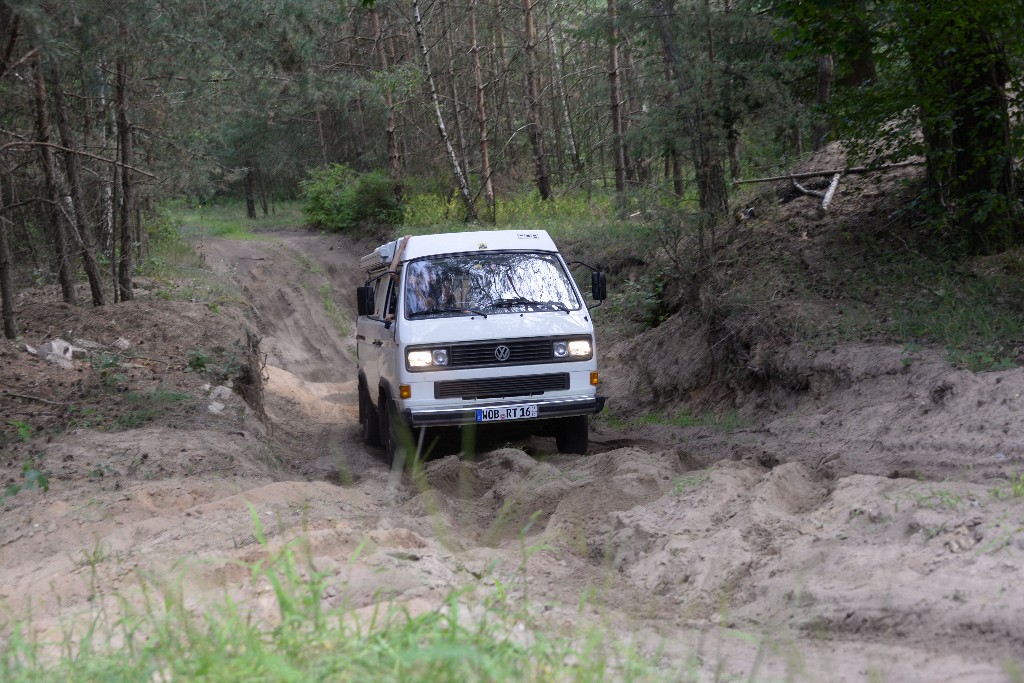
x: 811, y: 193
x: 33, y: 398
x: 61, y: 148
x: 818, y: 174
x: 827, y: 199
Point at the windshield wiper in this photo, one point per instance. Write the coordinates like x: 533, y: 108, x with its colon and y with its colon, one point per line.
x: 523, y: 301
x: 434, y: 311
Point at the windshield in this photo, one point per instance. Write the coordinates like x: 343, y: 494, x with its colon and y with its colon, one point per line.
x: 484, y: 284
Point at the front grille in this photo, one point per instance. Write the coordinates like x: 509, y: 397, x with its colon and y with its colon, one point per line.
x: 501, y: 387
x: 482, y: 354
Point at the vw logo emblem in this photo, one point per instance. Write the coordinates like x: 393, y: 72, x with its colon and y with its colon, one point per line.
x: 502, y: 353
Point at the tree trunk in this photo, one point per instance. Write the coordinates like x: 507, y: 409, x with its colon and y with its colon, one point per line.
x: 820, y: 128
x: 60, y: 238
x: 570, y: 135
x: 637, y: 165
x: 554, y: 106
x: 320, y: 135
x: 13, y: 24
x: 357, y: 124
x: 124, y: 130
x: 6, y: 277
x: 249, y: 183
x: 108, y: 238
x: 481, y: 110
x: 677, y: 171
x: 533, y: 111
x: 862, y: 64
x: 618, y: 153
x: 460, y: 179
x: 261, y: 191
x: 394, y: 160
x: 501, y: 75
x: 460, y: 128
x: 83, y: 231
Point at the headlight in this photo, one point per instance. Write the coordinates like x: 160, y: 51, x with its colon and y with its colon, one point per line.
x: 580, y: 348
x: 571, y: 349
x: 421, y: 359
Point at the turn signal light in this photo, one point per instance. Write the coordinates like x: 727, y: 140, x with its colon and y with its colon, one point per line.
x: 593, y: 378
x: 405, y: 391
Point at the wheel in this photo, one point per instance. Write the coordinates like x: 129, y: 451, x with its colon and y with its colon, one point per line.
x: 369, y: 422
x: 391, y: 432
x: 572, y: 435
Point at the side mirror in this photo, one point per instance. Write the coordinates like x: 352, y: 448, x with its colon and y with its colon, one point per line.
x: 598, y: 286
x: 365, y: 304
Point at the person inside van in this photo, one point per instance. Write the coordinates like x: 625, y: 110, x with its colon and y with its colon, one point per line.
x: 417, y: 289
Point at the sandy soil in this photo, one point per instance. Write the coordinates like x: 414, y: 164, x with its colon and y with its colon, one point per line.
x: 862, y: 529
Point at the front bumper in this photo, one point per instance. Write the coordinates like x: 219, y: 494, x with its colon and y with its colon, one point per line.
x: 546, y: 409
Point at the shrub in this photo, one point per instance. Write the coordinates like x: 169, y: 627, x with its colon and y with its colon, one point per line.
x: 339, y: 198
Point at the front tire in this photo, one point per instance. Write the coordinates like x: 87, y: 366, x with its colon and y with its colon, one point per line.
x: 572, y: 435
x: 369, y: 421
x: 392, y: 428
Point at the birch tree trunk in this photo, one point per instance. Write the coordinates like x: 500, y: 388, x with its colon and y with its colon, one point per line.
x: 60, y: 238
x: 481, y: 110
x: 106, y: 126
x: 533, y: 111
x: 460, y: 178
x: 83, y: 231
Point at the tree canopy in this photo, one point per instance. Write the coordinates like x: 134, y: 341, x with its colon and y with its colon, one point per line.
x: 138, y: 101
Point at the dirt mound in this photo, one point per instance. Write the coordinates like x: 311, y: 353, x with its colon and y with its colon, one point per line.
x: 748, y: 553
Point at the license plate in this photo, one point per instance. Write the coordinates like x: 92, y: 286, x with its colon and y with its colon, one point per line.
x: 522, y: 412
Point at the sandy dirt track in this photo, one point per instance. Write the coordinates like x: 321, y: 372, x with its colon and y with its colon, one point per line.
x: 864, y: 532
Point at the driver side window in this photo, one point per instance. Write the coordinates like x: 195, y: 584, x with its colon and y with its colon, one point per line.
x: 390, y: 300
x: 380, y: 297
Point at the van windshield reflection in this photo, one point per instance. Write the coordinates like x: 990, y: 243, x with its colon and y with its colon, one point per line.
x: 486, y: 284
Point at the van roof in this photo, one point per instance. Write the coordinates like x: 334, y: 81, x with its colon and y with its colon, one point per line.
x: 419, y: 246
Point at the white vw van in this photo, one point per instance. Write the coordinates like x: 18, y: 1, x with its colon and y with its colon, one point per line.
x: 475, y: 328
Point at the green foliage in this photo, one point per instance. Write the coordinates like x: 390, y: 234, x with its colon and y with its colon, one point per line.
x: 940, y: 84
x: 339, y: 198
x: 142, y: 407
x: 198, y: 361
x: 680, y: 484
x: 638, y: 302
x: 1011, y: 488
x: 975, y: 315
x: 430, y: 211
x: 220, y: 363
x: 33, y: 477
x: 476, y: 635
x: 24, y: 429
x: 725, y: 422
x: 107, y: 366
x: 341, y: 322
x: 226, y: 219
